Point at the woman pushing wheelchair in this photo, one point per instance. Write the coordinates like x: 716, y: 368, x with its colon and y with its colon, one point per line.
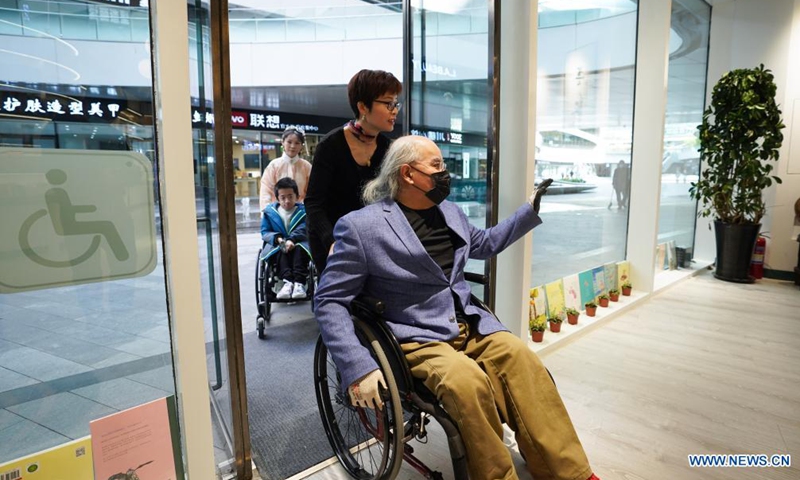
x: 408, y: 248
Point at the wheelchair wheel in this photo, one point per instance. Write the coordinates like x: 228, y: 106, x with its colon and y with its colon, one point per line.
x: 313, y: 281
x: 368, y: 444
x: 260, y: 328
x: 265, y: 290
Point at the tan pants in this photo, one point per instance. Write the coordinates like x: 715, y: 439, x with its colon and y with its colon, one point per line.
x: 483, y: 381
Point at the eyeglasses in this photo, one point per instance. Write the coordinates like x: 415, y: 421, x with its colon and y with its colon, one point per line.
x: 437, y: 165
x: 390, y: 105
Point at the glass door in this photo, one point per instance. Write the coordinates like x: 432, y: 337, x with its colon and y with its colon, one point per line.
x: 216, y: 224
x: 208, y: 232
x: 216, y: 237
x: 450, y: 99
x: 85, y: 328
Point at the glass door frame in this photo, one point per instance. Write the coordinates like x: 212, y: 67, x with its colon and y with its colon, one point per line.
x: 174, y: 144
x: 173, y: 140
x: 226, y: 197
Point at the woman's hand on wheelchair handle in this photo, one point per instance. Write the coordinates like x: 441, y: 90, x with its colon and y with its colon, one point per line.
x: 366, y: 392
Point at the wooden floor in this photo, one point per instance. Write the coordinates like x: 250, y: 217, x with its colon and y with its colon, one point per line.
x: 704, y: 367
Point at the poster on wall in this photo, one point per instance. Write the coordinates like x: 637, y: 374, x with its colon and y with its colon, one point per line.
x: 139, y: 442
x: 587, y: 286
x: 572, y: 292
x: 72, y: 460
x: 555, y: 299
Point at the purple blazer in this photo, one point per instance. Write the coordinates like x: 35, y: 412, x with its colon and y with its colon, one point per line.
x: 377, y: 253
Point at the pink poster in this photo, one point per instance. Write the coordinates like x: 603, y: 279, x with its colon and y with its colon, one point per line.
x: 134, y: 441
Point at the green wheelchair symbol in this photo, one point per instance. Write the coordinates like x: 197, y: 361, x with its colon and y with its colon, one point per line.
x: 63, y: 217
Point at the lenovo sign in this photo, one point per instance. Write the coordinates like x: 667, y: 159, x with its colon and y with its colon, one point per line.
x: 239, y: 119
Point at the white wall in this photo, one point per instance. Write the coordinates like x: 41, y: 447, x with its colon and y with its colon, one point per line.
x: 745, y: 33
x: 515, y: 154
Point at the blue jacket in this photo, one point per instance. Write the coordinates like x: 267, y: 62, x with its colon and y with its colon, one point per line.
x: 377, y: 252
x: 272, y: 227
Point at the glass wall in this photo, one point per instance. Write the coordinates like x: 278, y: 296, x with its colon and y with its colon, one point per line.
x: 76, y: 20
x: 84, y: 328
x: 290, y: 66
x: 451, y: 97
x: 584, y: 121
x: 688, y: 62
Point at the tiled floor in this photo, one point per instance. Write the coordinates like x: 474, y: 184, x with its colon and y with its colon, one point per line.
x: 74, y: 354
x: 704, y: 367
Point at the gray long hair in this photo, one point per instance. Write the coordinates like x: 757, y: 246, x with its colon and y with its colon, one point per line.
x: 403, y: 151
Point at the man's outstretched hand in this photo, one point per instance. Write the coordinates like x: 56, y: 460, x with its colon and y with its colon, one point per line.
x: 365, y: 392
x: 536, y: 196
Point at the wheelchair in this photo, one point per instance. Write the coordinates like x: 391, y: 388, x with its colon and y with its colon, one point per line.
x: 267, y: 285
x: 369, y: 444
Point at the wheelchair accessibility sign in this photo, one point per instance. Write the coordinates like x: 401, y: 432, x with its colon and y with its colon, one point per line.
x: 74, y: 216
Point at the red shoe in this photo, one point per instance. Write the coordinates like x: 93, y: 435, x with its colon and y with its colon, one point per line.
x: 593, y: 477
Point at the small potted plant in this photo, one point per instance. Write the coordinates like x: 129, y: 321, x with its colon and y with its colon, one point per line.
x: 537, y: 325
x: 626, y: 289
x: 591, y: 308
x: 613, y: 294
x: 603, y: 300
x: 572, y: 316
x: 555, y: 323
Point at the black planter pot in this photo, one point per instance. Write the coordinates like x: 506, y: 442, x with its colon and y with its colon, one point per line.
x: 735, y: 250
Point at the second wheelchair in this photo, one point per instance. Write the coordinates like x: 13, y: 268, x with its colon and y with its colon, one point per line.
x: 268, y: 285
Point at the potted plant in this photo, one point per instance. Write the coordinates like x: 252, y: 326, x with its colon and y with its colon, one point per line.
x: 626, y: 289
x: 591, y: 308
x: 739, y: 138
x: 603, y: 300
x: 537, y: 325
x: 555, y: 323
x: 613, y: 294
x: 572, y: 316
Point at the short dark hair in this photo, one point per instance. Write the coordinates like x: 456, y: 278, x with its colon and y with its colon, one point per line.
x: 286, y: 182
x: 294, y: 131
x: 367, y: 86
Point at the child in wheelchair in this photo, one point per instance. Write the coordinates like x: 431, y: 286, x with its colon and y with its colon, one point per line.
x: 283, y: 227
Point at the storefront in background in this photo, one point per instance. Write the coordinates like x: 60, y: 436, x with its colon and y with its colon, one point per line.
x: 257, y: 140
x: 64, y: 117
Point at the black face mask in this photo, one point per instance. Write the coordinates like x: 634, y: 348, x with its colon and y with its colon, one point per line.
x: 441, y: 185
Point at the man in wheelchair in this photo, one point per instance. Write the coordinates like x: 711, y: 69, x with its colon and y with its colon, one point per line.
x: 283, y: 226
x: 408, y: 248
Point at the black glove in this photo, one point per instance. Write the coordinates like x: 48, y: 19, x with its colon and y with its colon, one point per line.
x: 536, y: 196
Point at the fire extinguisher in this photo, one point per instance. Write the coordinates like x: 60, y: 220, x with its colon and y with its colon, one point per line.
x: 757, y: 261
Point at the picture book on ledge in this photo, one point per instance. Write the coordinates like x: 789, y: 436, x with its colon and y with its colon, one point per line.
x: 572, y: 292
x: 555, y: 298
x: 587, y: 287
